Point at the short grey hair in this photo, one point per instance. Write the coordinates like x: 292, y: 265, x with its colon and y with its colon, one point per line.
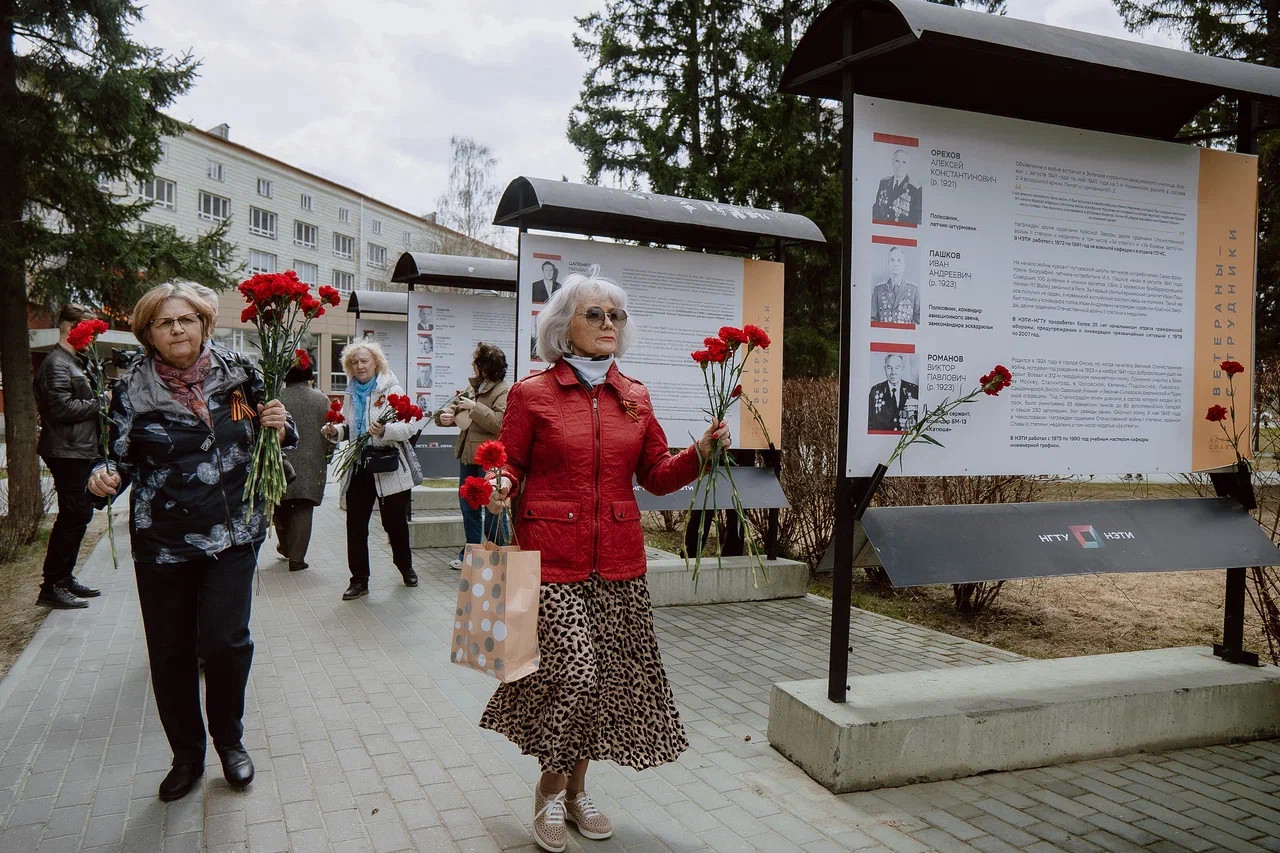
x: 554, y: 319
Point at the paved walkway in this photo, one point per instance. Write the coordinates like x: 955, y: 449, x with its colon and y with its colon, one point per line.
x: 364, y: 739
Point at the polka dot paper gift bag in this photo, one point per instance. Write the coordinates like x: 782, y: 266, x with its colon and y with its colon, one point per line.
x: 495, y: 625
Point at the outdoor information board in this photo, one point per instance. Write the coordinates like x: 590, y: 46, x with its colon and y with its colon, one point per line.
x: 675, y: 300
x: 1110, y: 274
x: 444, y: 329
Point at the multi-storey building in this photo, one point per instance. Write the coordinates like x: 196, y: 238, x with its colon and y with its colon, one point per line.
x: 282, y: 217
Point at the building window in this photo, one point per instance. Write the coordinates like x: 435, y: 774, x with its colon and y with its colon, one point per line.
x: 148, y: 227
x: 344, y: 281
x: 337, y: 376
x: 164, y: 152
x: 408, y: 239
x: 374, y: 284
x: 264, y: 188
x: 159, y: 191
x: 216, y: 171
x: 344, y: 246
x: 214, y: 207
x: 377, y: 255
x: 310, y: 273
x: 305, y: 235
x: 344, y: 215
x: 305, y: 201
x: 377, y: 226
x: 240, y: 340
x: 262, y: 222
x: 261, y: 262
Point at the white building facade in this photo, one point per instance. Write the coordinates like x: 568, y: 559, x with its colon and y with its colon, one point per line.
x: 282, y: 218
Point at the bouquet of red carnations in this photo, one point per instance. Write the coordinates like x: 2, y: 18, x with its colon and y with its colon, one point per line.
x: 399, y: 408
x: 281, y: 307
x: 81, y: 338
x: 722, y: 376
x: 477, y: 491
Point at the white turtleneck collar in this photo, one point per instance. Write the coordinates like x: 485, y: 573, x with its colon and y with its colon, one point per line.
x: 591, y: 370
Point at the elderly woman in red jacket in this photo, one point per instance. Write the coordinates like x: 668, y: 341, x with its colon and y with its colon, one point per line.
x: 575, y: 434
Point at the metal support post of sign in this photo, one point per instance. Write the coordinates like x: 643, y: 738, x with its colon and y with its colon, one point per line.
x: 842, y: 573
x: 1231, y: 649
x: 772, y: 457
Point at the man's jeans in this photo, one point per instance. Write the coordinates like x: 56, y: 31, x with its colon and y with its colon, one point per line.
x: 474, y: 519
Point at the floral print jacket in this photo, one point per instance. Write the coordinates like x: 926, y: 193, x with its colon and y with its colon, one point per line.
x: 187, y: 477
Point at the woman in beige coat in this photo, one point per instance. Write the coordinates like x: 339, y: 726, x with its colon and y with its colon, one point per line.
x: 477, y: 413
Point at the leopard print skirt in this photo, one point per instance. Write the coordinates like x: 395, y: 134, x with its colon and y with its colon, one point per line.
x: 600, y: 691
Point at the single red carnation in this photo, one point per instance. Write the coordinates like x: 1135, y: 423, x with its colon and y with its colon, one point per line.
x: 1231, y: 368
x: 701, y: 356
x: 476, y: 491
x: 336, y: 405
x: 329, y: 294
x: 249, y: 314
x: 81, y: 335
x: 757, y: 338
x: 334, y: 416
x: 1216, y: 414
x: 303, y: 359
x: 718, y: 356
x: 736, y: 393
x: 733, y: 336
x: 491, y: 454
x: 310, y: 305
x: 415, y: 413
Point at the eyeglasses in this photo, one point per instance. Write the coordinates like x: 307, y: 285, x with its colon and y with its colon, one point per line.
x: 595, y: 316
x: 186, y: 321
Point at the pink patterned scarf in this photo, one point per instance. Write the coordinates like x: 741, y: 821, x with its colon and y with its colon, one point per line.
x: 188, y: 385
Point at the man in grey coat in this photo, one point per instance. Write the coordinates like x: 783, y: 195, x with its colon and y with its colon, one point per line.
x: 310, y: 460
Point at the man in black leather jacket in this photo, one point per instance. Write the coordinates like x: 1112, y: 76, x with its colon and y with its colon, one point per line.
x: 68, y: 445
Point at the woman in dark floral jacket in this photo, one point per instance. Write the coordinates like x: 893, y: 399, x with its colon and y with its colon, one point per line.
x: 184, y: 420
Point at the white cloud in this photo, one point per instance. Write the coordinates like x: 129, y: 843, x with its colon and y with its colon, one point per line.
x: 368, y: 93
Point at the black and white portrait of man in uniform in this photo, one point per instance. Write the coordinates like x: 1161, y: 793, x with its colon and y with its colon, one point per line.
x: 897, y: 199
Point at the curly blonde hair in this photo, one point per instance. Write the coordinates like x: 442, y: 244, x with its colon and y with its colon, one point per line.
x: 380, y: 363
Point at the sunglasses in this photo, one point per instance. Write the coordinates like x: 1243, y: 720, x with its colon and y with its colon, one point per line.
x: 595, y: 316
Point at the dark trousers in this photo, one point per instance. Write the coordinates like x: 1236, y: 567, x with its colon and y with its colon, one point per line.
x: 199, y: 610
x: 70, y: 481
x: 478, y: 522
x: 293, y: 527
x: 731, y: 543
x: 362, y: 494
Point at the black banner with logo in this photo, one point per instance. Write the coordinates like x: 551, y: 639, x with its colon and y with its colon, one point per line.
x: 990, y: 542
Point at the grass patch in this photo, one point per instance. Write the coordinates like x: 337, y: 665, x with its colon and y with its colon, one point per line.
x: 19, y: 614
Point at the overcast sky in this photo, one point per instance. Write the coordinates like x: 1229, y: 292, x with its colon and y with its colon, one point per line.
x: 368, y: 93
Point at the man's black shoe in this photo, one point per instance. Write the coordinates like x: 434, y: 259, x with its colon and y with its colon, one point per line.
x: 74, y: 587
x: 410, y: 578
x: 180, y: 780
x: 297, y: 567
x: 355, y: 591
x: 59, y: 599
x: 237, y: 766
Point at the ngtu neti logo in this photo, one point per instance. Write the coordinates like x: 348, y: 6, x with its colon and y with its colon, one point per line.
x: 1086, y: 535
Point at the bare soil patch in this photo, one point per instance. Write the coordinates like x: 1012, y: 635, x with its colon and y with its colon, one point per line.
x: 1068, y: 616
x: 19, y: 614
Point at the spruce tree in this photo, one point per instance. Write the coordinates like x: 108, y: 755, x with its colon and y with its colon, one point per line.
x: 81, y: 105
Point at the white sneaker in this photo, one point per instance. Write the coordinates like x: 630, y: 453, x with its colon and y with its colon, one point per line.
x: 548, y: 821
x: 456, y: 563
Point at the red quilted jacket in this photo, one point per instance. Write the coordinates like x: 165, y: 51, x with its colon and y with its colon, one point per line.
x: 571, y: 455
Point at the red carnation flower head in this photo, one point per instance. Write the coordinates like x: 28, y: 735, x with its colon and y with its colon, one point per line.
x: 302, y: 358
x: 310, y: 305
x: 997, y: 380
x: 336, y: 405
x: 491, y: 454
x: 249, y: 314
x: 733, y: 336
x: 757, y: 338
x: 718, y: 356
x: 1231, y: 368
x: 82, y: 334
x: 329, y: 294
x: 334, y: 416
x: 736, y: 393
x: 1216, y: 414
x: 476, y: 491
x: 415, y: 413
x: 702, y: 357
